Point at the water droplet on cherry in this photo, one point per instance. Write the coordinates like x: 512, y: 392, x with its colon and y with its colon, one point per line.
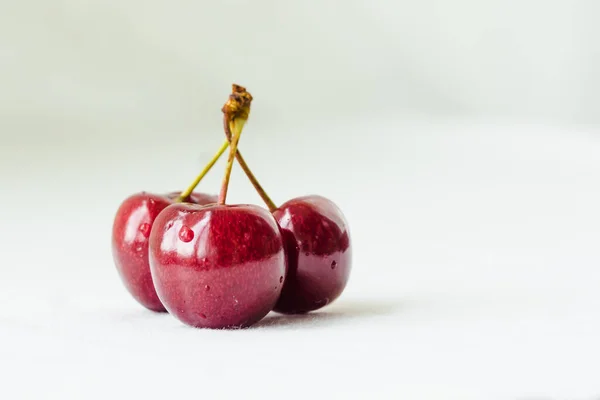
x: 281, y: 279
x: 202, y: 315
x: 145, y: 229
x: 186, y: 234
x: 307, y: 254
x: 139, y: 248
x: 333, y: 264
x: 207, y: 288
x: 169, y: 225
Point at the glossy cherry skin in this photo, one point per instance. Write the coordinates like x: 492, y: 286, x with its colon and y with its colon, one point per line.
x: 130, y: 234
x: 217, y: 266
x: 318, y: 251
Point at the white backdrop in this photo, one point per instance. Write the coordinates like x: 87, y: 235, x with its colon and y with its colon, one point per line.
x: 460, y: 138
x: 164, y: 64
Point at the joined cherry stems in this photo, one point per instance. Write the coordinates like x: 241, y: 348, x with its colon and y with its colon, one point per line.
x: 235, y: 115
x: 229, y: 128
x: 236, y: 111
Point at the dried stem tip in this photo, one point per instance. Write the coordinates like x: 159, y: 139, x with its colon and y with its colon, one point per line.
x: 238, y: 104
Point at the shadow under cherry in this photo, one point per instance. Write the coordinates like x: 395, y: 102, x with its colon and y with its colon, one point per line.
x: 342, y: 311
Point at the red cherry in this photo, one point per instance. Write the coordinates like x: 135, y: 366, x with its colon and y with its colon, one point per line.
x: 217, y: 266
x: 131, y: 230
x: 318, y: 251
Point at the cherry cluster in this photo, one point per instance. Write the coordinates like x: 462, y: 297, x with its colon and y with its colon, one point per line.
x: 213, y: 265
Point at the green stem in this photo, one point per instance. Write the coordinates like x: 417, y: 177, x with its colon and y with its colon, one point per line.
x: 187, y: 192
x: 237, y: 125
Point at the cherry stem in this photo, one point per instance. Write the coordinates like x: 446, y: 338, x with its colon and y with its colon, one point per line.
x: 240, y: 159
x: 187, y: 192
x: 236, y: 111
x: 237, y: 130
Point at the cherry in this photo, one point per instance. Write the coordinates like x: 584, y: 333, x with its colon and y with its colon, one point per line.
x: 317, y: 243
x: 131, y: 231
x: 218, y: 266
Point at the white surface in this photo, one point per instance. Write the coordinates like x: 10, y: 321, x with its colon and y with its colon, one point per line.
x: 476, y: 268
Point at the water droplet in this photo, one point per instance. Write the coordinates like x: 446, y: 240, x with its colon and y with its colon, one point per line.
x: 186, y: 234
x: 207, y: 288
x: 139, y: 248
x: 307, y: 254
x: 281, y: 279
x: 246, y: 236
x: 152, y: 202
x: 169, y: 225
x: 333, y: 264
x: 202, y: 315
x: 145, y: 229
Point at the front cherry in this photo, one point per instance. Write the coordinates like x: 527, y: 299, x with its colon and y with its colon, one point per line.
x: 217, y: 266
x: 131, y: 230
x: 319, y: 256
